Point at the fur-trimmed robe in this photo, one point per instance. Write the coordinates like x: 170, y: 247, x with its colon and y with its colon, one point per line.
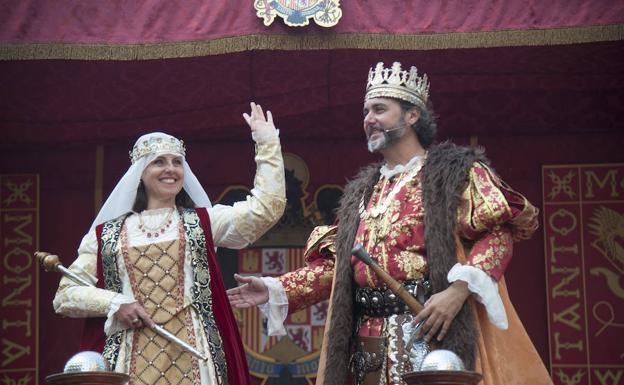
x: 445, y: 175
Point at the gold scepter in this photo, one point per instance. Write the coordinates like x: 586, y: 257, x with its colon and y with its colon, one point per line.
x: 392, y: 284
x: 51, y: 262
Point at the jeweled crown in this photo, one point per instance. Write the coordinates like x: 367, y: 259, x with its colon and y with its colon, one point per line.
x: 397, y: 83
x: 157, y: 145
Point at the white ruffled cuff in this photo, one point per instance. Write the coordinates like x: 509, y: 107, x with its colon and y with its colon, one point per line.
x: 276, y: 308
x: 112, y: 325
x: 264, y: 135
x: 485, y: 289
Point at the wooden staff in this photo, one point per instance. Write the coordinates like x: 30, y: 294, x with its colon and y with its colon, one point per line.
x: 51, y: 262
x: 394, y: 285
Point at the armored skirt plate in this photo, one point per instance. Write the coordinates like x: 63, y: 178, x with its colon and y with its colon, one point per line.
x: 442, y: 377
x: 87, y: 378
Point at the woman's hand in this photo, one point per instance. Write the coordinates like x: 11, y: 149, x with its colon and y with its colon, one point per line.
x: 258, y: 123
x: 253, y: 292
x: 133, y: 315
x: 440, y: 310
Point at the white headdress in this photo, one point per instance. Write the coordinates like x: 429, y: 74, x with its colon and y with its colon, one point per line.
x: 147, y: 148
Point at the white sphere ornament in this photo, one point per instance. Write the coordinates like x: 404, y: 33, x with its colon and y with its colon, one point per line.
x: 86, y: 361
x: 442, y: 360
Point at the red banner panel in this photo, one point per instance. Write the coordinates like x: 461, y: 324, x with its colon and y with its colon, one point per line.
x: 584, y: 245
x: 19, y: 279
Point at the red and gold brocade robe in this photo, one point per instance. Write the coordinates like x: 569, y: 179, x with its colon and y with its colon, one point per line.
x: 490, y: 217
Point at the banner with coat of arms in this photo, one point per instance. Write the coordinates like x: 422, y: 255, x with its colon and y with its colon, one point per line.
x: 291, y: 359
x: 298, y: 352
x: 584, y: 245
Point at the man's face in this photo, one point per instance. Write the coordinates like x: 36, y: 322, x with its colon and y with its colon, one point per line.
x: 384, y: 123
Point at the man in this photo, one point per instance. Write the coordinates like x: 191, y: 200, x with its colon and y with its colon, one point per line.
x: 414, y: 214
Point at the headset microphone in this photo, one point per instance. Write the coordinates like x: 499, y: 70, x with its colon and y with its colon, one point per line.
x: 398, y: 127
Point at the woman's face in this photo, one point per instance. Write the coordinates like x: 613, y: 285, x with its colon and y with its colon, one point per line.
x: 163, y: 179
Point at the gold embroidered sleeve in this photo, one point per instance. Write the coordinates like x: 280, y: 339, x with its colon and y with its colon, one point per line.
x: 492, y: 252
x: 243, y: 223
x: 492, y: 216
x: 312, y: 283
x: 73, y: 300
x: 309, y: 284
x: 487, y: 201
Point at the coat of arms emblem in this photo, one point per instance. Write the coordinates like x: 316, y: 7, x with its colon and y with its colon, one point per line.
x: 293, y: 358
x: 297, y: 13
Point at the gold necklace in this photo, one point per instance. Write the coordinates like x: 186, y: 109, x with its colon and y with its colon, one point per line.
x: 382, y: 204
x: 158, y: 230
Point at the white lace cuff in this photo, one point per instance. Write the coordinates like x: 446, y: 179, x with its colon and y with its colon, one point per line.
x: 276, y: 309
x: 112, y: 325
x: 264, y: 135
x: 485, y: 290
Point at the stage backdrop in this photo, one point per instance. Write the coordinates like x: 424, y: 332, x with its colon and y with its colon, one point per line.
x: 543, y: 81
x: 584, y: 245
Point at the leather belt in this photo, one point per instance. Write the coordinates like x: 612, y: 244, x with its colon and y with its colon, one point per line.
x: 382, y: 302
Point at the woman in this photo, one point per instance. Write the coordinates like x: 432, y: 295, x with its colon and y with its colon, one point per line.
x: 151, y: 254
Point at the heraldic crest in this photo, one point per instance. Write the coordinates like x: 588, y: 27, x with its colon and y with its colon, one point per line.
x: 293, y: 358
x: 297, y: 13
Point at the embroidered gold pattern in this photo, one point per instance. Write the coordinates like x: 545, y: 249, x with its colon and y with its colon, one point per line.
x: 491, y: 252
x: 310, y: 284
x: 157, y: 281
x: 412, y: 263
x: 387, y: 234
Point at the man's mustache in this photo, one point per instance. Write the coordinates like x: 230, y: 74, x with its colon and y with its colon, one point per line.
x: 377, y: 127
x: 371, y: 129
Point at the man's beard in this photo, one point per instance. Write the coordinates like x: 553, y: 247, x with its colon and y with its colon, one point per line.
x: 388, y: 137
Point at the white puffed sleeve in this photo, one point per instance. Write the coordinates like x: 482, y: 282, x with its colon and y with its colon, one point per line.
x: 243, y: 223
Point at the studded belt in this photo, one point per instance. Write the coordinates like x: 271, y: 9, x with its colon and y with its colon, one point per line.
x: 382, y: 302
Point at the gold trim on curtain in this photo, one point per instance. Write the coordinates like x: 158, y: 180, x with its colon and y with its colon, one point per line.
x: 511, y: 38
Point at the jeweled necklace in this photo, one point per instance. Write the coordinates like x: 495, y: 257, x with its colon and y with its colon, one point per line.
x: 158, y: 230
x: 381, y: 206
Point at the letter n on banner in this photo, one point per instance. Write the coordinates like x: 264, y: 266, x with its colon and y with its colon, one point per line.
x: 584, y: 245
x: 19, y: 279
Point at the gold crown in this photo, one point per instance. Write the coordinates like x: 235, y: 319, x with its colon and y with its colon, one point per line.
x: 396, y: 83
x: 156, y: 145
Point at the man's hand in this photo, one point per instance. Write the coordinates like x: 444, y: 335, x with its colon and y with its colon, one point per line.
x: 258, y: 123
x: 253, y: 292
x: 441, y: 309
x: 133, y: 315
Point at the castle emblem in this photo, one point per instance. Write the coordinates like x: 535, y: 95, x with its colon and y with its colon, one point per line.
x: 297, y: 13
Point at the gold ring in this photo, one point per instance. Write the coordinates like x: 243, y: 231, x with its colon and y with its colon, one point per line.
x: 135, y: 320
